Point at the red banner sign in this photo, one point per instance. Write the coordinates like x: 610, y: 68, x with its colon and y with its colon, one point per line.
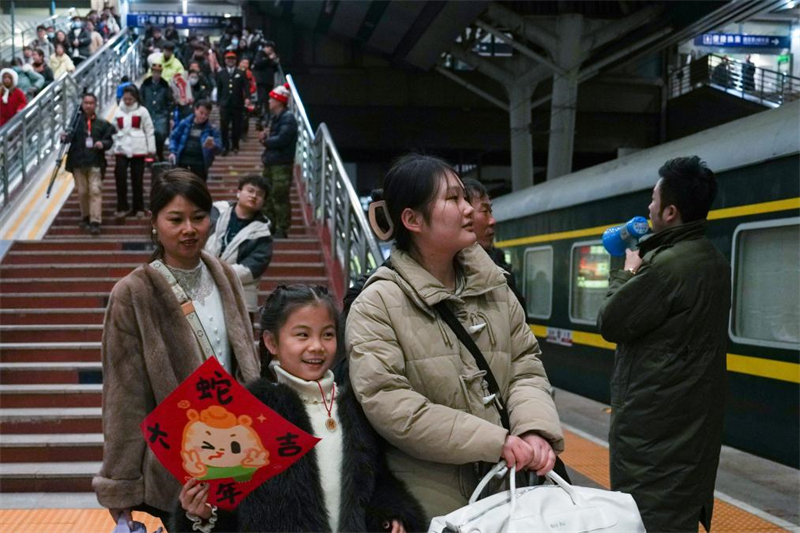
x: 212, y: 429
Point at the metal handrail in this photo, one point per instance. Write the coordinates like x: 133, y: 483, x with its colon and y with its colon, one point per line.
x: 31, y: 137
x: 756, y: 84
x: 332, y: 197
x: 58, y: 21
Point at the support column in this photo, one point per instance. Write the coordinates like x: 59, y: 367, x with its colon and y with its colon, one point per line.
x: 565, y: 96
x: 519, y: 98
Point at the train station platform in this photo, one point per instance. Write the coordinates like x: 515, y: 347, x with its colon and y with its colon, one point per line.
x: 753, y: 495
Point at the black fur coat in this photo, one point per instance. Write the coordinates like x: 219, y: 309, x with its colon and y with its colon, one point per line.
x: 294, y: 501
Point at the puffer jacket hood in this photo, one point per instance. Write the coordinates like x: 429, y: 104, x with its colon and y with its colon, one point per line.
x: 12, y: 73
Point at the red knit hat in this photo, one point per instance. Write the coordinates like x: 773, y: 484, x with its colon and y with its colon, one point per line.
x: 281, y: 93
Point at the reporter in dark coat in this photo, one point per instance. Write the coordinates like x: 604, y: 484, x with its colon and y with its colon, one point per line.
x: 233, y: 94
x: 668, y: 313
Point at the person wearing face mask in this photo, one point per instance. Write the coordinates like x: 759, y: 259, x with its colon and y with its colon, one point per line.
x: 240, y: 236
x: 42, y: 42
x: 157, y: 97
x: 401, y: 352
x: 233, y: 95
x: 80, y: 39
x: 12, y: 99
x: 172, y: 65
x: 149, y: 347
x: 41, y: 67
x: 195, y: 141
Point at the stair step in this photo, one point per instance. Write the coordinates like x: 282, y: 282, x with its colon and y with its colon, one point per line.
x: 50, y: 501
x: 49, y: 447
x: 105, y: 284
x: 47, y: 476
x: 75, y: 219
x: 138, y: 231
x: 63, y: 300
x: 55, y: 352
x: 51, y: 373
x: 51, y: 420
x: 52, y: 333
x: 50, y: 395
x: 21, y: 317
x: 90, y: 257
x: 277, y: 267
x: 111, y: 243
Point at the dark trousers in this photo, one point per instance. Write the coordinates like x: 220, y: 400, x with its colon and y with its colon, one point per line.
x: 262, y: 91
x: 137, y: 181
x: 198, y: 167
x: 231, y: 117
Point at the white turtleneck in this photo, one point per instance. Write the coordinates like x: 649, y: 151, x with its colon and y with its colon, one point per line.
x: 331, y: 448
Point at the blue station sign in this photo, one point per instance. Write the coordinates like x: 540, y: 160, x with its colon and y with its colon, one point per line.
x: 738, y: 40
x: 181, y: 21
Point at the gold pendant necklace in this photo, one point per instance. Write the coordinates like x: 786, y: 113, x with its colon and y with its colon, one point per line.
x: 330, y: 423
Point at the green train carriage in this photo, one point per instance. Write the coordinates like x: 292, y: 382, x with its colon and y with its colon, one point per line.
x: 551, y: 235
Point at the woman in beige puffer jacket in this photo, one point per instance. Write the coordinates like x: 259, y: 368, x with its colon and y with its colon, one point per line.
x: 419, y: 386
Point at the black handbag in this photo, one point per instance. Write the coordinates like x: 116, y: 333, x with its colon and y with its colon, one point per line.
x: 465, y: 338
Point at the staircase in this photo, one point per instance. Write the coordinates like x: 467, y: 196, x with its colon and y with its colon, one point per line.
x: 53, y: 295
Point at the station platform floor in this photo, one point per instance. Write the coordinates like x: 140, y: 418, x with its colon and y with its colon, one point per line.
x: 753, y: 495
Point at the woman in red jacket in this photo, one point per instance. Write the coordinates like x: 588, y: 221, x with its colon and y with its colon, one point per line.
x: 12, y: 99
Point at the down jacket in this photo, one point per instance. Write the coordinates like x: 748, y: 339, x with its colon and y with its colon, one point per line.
x: 668, y: 388
x: 148, y: 349
x: 248, y: 253
x: 421, y: 388
x: 135, y: 135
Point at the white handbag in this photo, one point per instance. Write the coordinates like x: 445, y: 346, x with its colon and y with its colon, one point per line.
x: 560, y: 508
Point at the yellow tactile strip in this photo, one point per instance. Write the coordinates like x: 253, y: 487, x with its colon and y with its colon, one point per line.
x: 585, y: 456
x: 65, y: 521
x: 591, y: 460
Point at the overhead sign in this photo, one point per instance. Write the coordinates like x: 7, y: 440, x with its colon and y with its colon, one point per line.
x: 181, y: 21
x: 738, y: 40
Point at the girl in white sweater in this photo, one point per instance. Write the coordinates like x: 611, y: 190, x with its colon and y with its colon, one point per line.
x: 341, y: 485
x: 133, y: 143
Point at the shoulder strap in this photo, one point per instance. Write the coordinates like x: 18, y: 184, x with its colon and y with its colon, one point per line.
x: 451, y: 320
x: 187, y: 307
x: 465, y: 338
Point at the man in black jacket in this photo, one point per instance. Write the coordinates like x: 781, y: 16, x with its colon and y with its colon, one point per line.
x: 264, y: 67
x: 80, y: 39
x: 484, y: 230
x: 279, y: 139
x: 668, y: 311
x: 233, y: 90
x: 87, y: 161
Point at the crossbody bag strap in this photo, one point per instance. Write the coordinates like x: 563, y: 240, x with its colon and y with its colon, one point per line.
x: 188, y: 309
x: 465, y: 338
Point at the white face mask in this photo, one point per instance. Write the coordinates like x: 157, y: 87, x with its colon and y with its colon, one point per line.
x: 194, y: 80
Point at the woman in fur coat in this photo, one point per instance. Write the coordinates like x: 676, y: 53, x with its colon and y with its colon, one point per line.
x: 343, y: 484
x: 149, y: 346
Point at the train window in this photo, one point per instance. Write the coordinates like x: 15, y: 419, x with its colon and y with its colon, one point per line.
x: 538, y: 281
x: 766, y: 283
x: 589, y: 269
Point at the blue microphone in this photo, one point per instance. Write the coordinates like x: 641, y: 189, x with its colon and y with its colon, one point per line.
x: 617, y: 239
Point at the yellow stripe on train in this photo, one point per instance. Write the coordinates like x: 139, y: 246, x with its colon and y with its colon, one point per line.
x: 717, y: 214
x: 742, y: 364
